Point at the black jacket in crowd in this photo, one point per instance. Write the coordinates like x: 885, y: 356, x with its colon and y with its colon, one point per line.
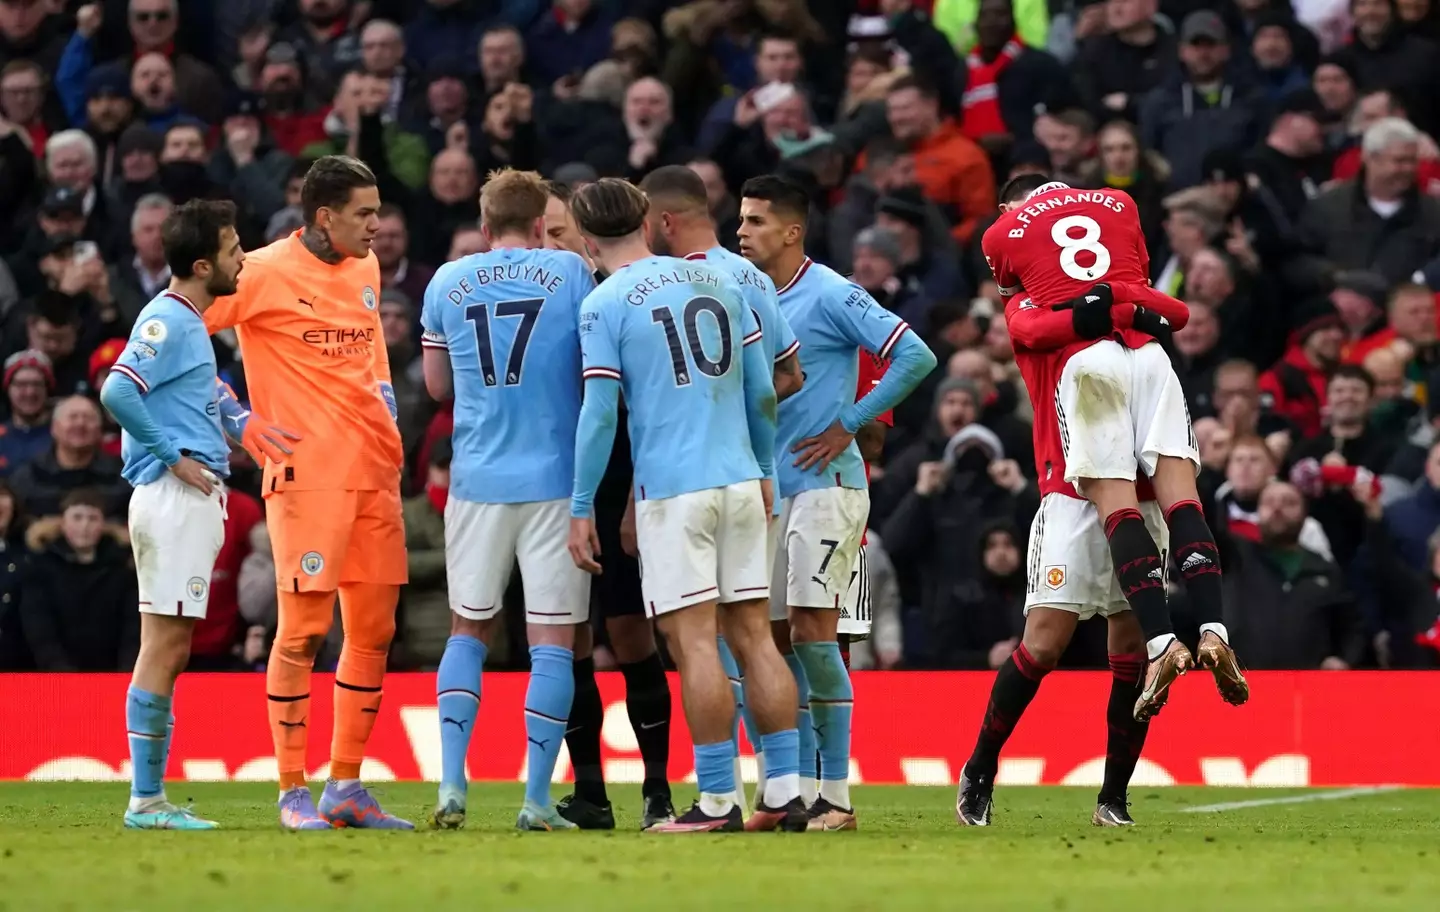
x: 79, y: 616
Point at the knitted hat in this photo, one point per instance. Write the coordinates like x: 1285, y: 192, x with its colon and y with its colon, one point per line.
x: 29, y: 358
x: 883, y: 242
x: 1313, y: 316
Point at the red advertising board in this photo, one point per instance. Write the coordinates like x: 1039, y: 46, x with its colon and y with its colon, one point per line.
x: 1305, y: 728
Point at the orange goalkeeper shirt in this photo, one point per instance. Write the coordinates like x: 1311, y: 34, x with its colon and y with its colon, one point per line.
x: 314, y: 356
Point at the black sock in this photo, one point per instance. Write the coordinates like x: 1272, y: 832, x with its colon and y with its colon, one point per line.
x: 582, y: 735
x: 1126, y: 737
x: 1199, y: 560
x: 1140, y: 571
x: 647, y: 697
x: 1015, y: 686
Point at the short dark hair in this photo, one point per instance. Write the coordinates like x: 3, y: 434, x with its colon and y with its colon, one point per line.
x: 676, y: 185
x: 56, y: 308
x: 560, y: 190
x: 774, y: 35
x: 911, y: 81
x: 391, y: 210
x: 883, y: 149
x: 785, y: 195
x: 82, y: 497
x: 1020, y: 187
x: 330, y: 182
x: 610, y: 208
x: 299, y: 168
x: 1354, y: 372
x: 191, y: 232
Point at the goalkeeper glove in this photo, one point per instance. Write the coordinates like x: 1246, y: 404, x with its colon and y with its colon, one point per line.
x: 387, y: 392
x: 1090, y: 312
x: 261, y: 439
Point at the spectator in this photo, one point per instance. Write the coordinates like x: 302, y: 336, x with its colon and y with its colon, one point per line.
x: 22, y: 100
x: 1334, y: 82
x: 1383, y: 55
x: 1287, y: 607
x: 1272, y: 45
x: 72, y: 163
x: 1374, y: 106
x: 575, y: 36
x: 102, y: 359
x: 997, y: 405
x: 1295, y: 387
x: 724, y: 208
x: 453, y: 202
x: 646, y: 136
x: 14, y: 651
x: 888, y: 166
x: 108, y: 110
x: 1118, y: 67
x: 902, y: 212
x: 1250, y: 467
x: 397, y: 322
x: 325, y: 38
x: 1008, y: 81
x: 136, y: 282
x: 949, y: 167
x: 218, y: 642
x: 1190, y: 223
x: 1068, y: 137
x: 78, y: 606
x: 152, y: 83
x: 391, y: 246
x: 748, y: 146
x: 1402, y: 616
x: 986, y: 616
x: 877, y: 262
x: 382, y: 54
x: 293, y: 113
x: 1411, y: 521
x: 360, y: 96
x: 502, y: 59
x: 778, y: 60
x: 1287, y: 170
x: 138, y: 152
x: 1379, y: 221
x: 1198, y: 348
x: 1123, y: 164
x: 1202, y: 109
x: 28, y: 31
x: 427, y: 606
x: 74, y: 462
x: 25, y: 434
x: 1409, y: 331
x: 1359, y: 297
x: 249, y: 164
x: 446, y: 104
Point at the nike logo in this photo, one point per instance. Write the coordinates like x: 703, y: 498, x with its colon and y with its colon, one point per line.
x: 458, y: 723
x: 649, y: 725
x: 300, y: 724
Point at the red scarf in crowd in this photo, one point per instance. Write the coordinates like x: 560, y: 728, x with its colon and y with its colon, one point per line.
x: 438, y: 497
x: 981, y: 102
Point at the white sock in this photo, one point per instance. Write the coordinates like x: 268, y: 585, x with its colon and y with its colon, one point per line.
x: 809, y: 790
x: 144, y: 805
x: 740, y: 790
x: 717, y: 805
x: 837, y: 792
x: 1157, y: 646
x: 759, y: 777
x: 284, y: 792
x: 781, y: 790
x: 343, y: 784
x: 1218, y: 629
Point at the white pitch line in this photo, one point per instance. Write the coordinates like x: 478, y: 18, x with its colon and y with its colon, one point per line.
x: 1293, y: 799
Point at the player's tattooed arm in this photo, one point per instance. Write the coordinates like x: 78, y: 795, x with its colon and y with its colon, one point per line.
x: 317, y: 241
x: 789, y: 378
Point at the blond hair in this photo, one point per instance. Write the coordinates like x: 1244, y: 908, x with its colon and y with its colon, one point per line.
x: 512, y: 201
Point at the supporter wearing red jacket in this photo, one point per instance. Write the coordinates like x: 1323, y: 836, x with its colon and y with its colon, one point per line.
x: 1294, y: 388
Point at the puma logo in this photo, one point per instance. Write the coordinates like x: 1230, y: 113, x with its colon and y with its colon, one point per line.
x: 824, y: 584
x: 458, y: 723
x: 308, y: 304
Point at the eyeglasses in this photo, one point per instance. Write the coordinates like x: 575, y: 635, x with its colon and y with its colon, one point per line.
x: 145, y: 16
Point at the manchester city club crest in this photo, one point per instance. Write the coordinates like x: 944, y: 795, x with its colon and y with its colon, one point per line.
x: 312, y: 563
x: 197, y: 588
x: 368, y: 297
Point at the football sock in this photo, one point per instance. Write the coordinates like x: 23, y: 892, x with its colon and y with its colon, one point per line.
x: 1126, y: 737
x: 582, y: 734
x: 647, y: 699
x: 1199, y: 560
x: 1142, y: 576
x: 1015, y: 686
x: 732, y: 671
x: 457, y: 695
x: 782, y: 784
x: 304, y: 620
x: 715, y: 777
x: 147, y: 718
x: 368, y: 613
x: 832, y: 703
x: 809, y: 786
x: 547, y: 707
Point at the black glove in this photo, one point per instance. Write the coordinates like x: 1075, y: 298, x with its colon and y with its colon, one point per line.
x: 1090, y: 312
x: 1152, y: 324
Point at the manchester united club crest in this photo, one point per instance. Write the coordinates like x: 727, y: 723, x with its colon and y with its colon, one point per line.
x: 367, y: 297
x: 197, y: 587
x: 1055, y: 577
x: 312, y: 563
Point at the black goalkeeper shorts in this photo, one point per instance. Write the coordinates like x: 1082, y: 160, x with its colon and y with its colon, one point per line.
x: 615, y: 592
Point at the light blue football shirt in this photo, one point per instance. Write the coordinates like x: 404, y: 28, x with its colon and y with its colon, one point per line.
x: 759, y: 292
x: 832, y: 318
x: 170, y: 359
x: 510, y: 320
x: 672, y: 332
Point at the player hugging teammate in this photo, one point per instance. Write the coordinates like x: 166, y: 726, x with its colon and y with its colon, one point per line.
x: 1116, y: 459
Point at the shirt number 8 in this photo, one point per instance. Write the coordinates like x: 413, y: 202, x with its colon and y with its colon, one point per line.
x: 1089, y: 242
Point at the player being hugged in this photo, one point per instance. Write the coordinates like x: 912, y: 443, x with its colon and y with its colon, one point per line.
x: 501, y: 333
x: 1109, y: 418
x: 164, y: 394
x: 307, y: 318
x: 825, y: 501
x: 680, y: 225
x: 678, y: 339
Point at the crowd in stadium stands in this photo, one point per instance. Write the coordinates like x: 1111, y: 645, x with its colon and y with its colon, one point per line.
x: 1280, y: 154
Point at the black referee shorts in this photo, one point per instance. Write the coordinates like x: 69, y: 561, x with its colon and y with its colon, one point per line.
x: 615, y: 592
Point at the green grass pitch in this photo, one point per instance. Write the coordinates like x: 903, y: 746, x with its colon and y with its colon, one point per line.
x: 62, y: 847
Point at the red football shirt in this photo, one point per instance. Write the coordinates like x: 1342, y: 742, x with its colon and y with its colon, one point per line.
x: 872, y: 368
x: 223, y: 627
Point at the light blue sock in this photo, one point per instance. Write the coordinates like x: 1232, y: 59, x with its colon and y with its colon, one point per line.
x: 457, y: 694
x: 147, y: 719
x: 547, y: 709
x: 169, y: 739
x: 737, y: 687
x: 715, y: 768
x: 803, y: 722
x: 832, y: 700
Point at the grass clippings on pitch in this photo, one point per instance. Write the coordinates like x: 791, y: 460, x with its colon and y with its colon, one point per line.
x: 62, y: 847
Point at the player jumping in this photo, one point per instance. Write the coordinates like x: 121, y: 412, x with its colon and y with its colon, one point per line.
x: 679, y: 339
x: 825, y: 500
x: 680, y: 225
x: 309, y: 329
x: 505, y: 323
x: 619, y: 602
x: 1088, y: 443
x: 163, y: 391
